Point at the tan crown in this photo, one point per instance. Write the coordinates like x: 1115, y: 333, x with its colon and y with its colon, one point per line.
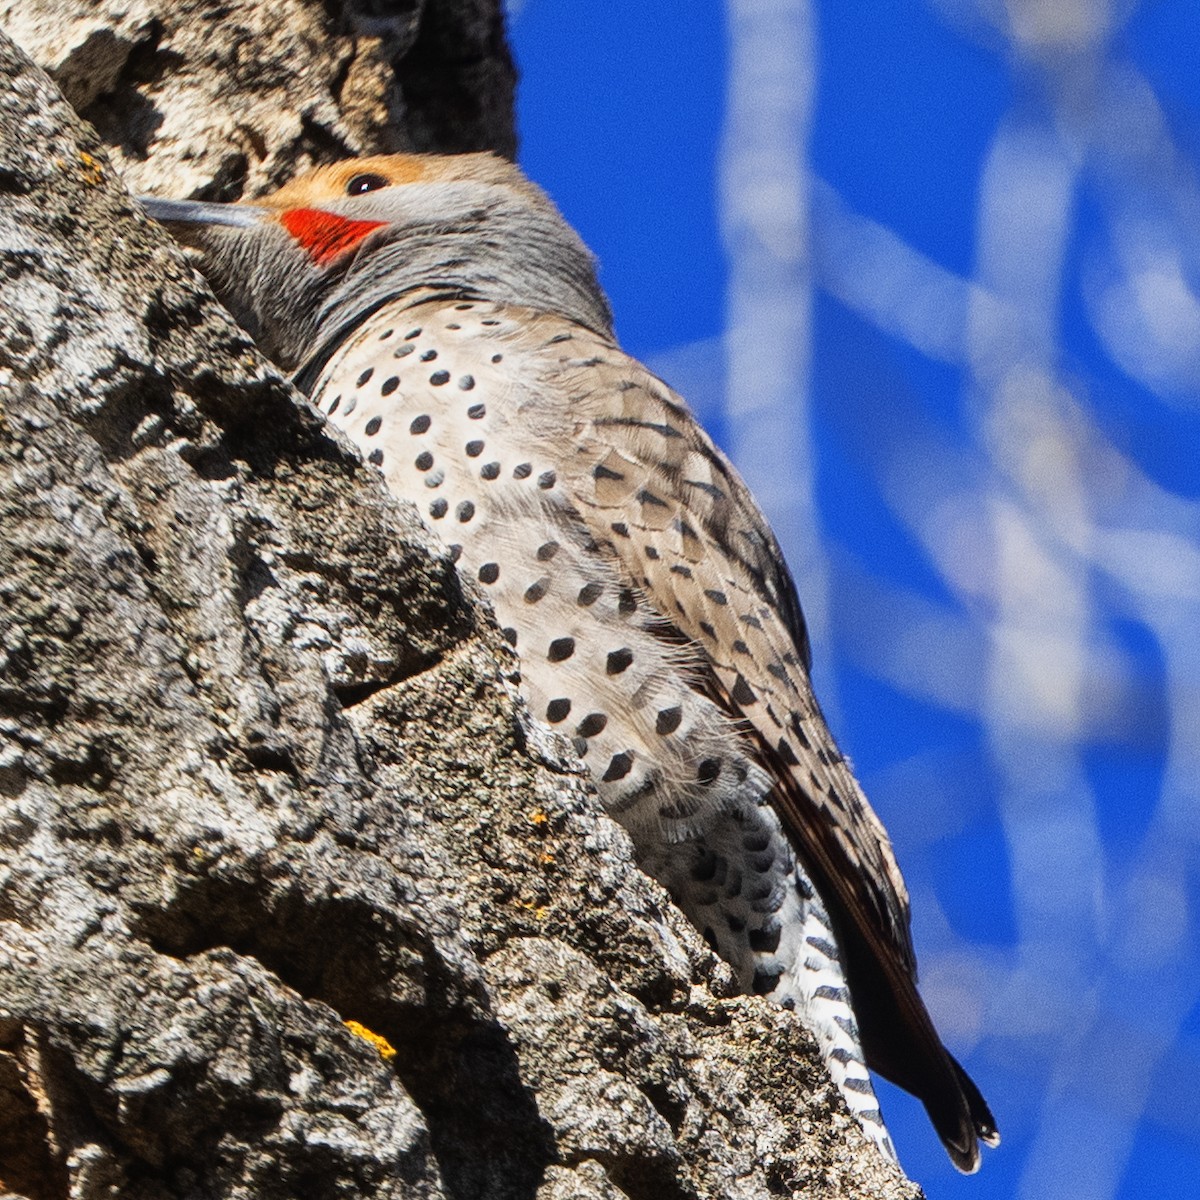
x: 326, y: 184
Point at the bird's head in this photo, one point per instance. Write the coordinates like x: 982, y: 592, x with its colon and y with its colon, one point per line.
x: 302, y: 266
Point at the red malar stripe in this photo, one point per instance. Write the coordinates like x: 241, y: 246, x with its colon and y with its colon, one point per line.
x: 325, y: 235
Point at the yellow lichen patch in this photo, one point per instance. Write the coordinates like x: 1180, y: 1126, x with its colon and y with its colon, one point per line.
x: 386, y: 1050
x: 93, y: 168
x: 546, y: 857
x: 539, y: 910
x: 539, y: 817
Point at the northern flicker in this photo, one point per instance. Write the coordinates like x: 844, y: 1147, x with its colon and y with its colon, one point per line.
x: 441, y: 312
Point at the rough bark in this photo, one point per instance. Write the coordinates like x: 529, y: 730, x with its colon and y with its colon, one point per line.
x: 263, y: 766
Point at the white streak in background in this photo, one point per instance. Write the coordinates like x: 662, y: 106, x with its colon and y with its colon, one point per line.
x: 1141, y: 292
x: 764, y: 223
x: 875, y: 273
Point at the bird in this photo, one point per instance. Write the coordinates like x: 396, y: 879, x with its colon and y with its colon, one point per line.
x: 447, y: 319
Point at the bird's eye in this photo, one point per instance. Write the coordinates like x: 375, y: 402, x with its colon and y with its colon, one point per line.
x: 365, y: 183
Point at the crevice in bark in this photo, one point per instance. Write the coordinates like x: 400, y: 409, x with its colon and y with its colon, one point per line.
x: 29, y: 1164
x: 453, y: 1058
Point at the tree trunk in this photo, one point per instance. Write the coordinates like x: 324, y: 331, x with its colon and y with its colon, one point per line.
x: 295, y: 900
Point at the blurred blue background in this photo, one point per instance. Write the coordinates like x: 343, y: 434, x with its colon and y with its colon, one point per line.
x: 930, y: 272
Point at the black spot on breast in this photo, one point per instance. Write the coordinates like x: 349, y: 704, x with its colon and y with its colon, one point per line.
x: 333, y: 407
x: 618, y: 660
x: 778, y: 670
x: 420, y: 424
x: 620, y: 529
x: 765, y: 981
x: 546, y: 551
x: 466, y: 382
x: 547, y: 479
x: 600, y: 471
x: 705, y: 867
x: 496, y: 357
x: 390, y: 385
x: 592, y: 724
x: 618, y: 767
x: 477, y: 412
x: 589, y: 594
x: 680, y: 569
x: 756, y: 840
x: 489, y: 572
x: 428, y: 355
x: 522, y: 471
x: 435, y: 478
x: 708, y: 771
x: 558, y: 710
x: 490, y: 471
x: 375, y: 458
x: 412, y: 333
x: 740, y: 647
x: 387, y: 333
x: 561, y: 649
x: 742, y: 692
x: 365, y: 377
x: 510, y: 635
x: 581, y: 746
x: 402, y: 351
x: 668, y: 720
x: 651, y: 553
x: 439, y: 377
x: 474, y: 449
x: 786, y: 753
x: 627, y: 601
x: 372, y: 426
x: 438, y: 509
x: 463, y: 307
x: 708, y: 630
x: 423, y: 461
x: 535, y: 591
x: 465, y: 511
x: 766, y: 939
x: 717, y: 597
x: 454, y: 325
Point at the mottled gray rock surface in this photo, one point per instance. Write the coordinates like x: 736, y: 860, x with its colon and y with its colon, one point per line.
x: 263, y: 770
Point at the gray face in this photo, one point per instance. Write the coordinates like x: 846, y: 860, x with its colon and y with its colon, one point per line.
x: 472, y: 238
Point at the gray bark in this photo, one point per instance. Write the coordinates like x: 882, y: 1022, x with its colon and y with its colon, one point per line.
x: 263, y: 767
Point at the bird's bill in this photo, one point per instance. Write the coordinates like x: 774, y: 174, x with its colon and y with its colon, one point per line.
x: 200, y: 212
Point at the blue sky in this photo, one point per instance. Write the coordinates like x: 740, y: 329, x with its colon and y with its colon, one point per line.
x: 930, y: 271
